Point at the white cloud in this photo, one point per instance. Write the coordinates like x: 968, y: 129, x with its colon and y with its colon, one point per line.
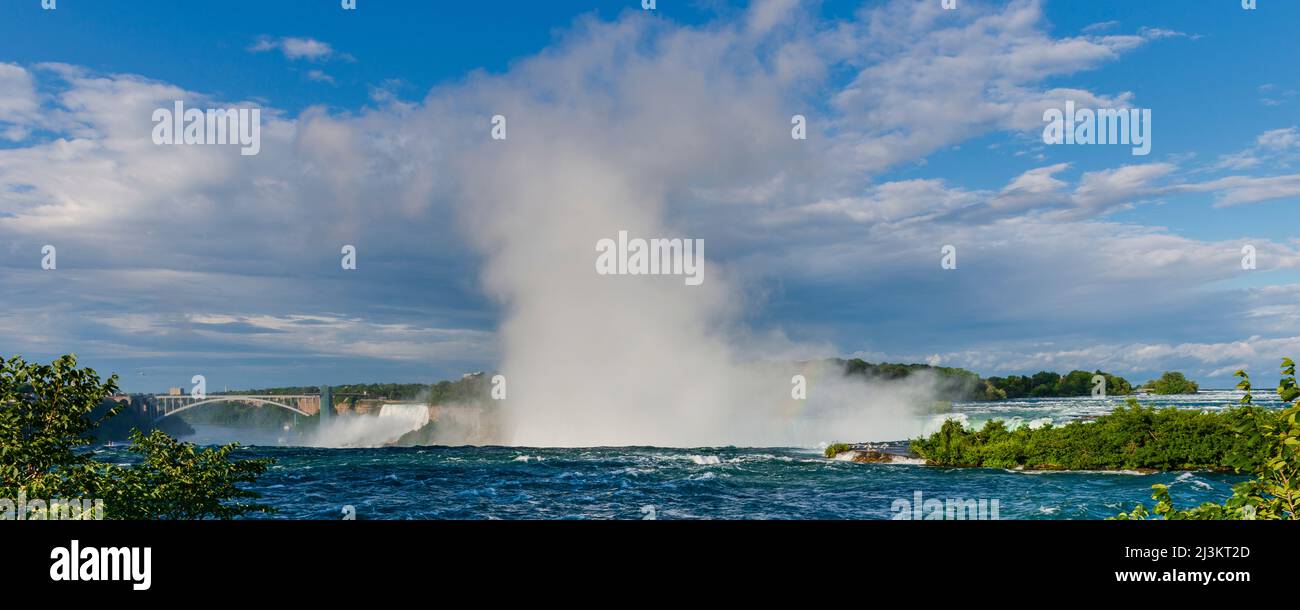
x: 1278, y: 147
x: 294, y: 48
x: 1122, y: 185
x: 19, y: 105
x: 1279, y: 139
x: 1235, y: 190
x: 319, y: 76
x: 1101, y: 26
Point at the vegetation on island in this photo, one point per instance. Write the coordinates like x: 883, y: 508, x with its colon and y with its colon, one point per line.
x: 951, y: 383
x: 48, y: 414
x: 1046, y: 384
x: 835, y: 449
x: 1172, y: 382
x: 1274, y: 492
x: 960, y: 384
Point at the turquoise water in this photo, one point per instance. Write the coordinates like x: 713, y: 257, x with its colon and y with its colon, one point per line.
x: 713, y: 483
x: 701, y: 483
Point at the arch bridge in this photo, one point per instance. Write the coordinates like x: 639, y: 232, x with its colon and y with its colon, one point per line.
x: 168, y: 405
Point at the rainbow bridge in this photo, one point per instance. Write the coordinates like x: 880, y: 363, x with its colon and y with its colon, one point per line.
x: 167, y: 405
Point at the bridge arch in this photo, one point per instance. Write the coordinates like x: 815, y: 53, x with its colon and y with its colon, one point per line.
x: 245, y: 399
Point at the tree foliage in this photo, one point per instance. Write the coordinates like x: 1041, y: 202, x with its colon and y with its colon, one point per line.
x: 1172, y: 382
x: 47, y: 416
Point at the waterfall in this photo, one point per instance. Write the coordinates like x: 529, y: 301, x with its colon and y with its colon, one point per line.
x: 413, y: 417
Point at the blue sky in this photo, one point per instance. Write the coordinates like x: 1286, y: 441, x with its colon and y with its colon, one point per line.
x: 924, y: 131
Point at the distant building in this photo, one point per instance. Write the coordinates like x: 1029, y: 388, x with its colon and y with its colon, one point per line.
x: 474, y: 374
x: 174, y: 392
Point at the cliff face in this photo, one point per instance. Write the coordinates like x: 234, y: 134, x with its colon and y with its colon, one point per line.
x: 359, y: 406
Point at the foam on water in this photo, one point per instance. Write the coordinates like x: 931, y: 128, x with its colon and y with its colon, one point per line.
x: 1190, y: 477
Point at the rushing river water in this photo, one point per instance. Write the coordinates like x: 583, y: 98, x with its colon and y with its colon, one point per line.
x: 721, y: 483
x: 700, y: 483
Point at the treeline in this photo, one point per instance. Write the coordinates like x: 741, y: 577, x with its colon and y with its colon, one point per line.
x: 951, y: 383
x: 469, y: 388
x: 240, y: 415
x: 1046, y: 384
x: 960, y: 384
x: 392, y: 391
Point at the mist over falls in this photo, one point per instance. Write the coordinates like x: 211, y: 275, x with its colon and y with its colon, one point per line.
x: 616, y: 360
x: 393, y: 421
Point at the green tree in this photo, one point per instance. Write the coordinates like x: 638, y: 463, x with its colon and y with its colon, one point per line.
x: 1116, y: 385
x: 47, y: 415
x: 1075, y: 383
x: 1173, y: 382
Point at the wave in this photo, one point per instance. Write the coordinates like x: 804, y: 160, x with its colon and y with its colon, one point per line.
x: 1190, y: 477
